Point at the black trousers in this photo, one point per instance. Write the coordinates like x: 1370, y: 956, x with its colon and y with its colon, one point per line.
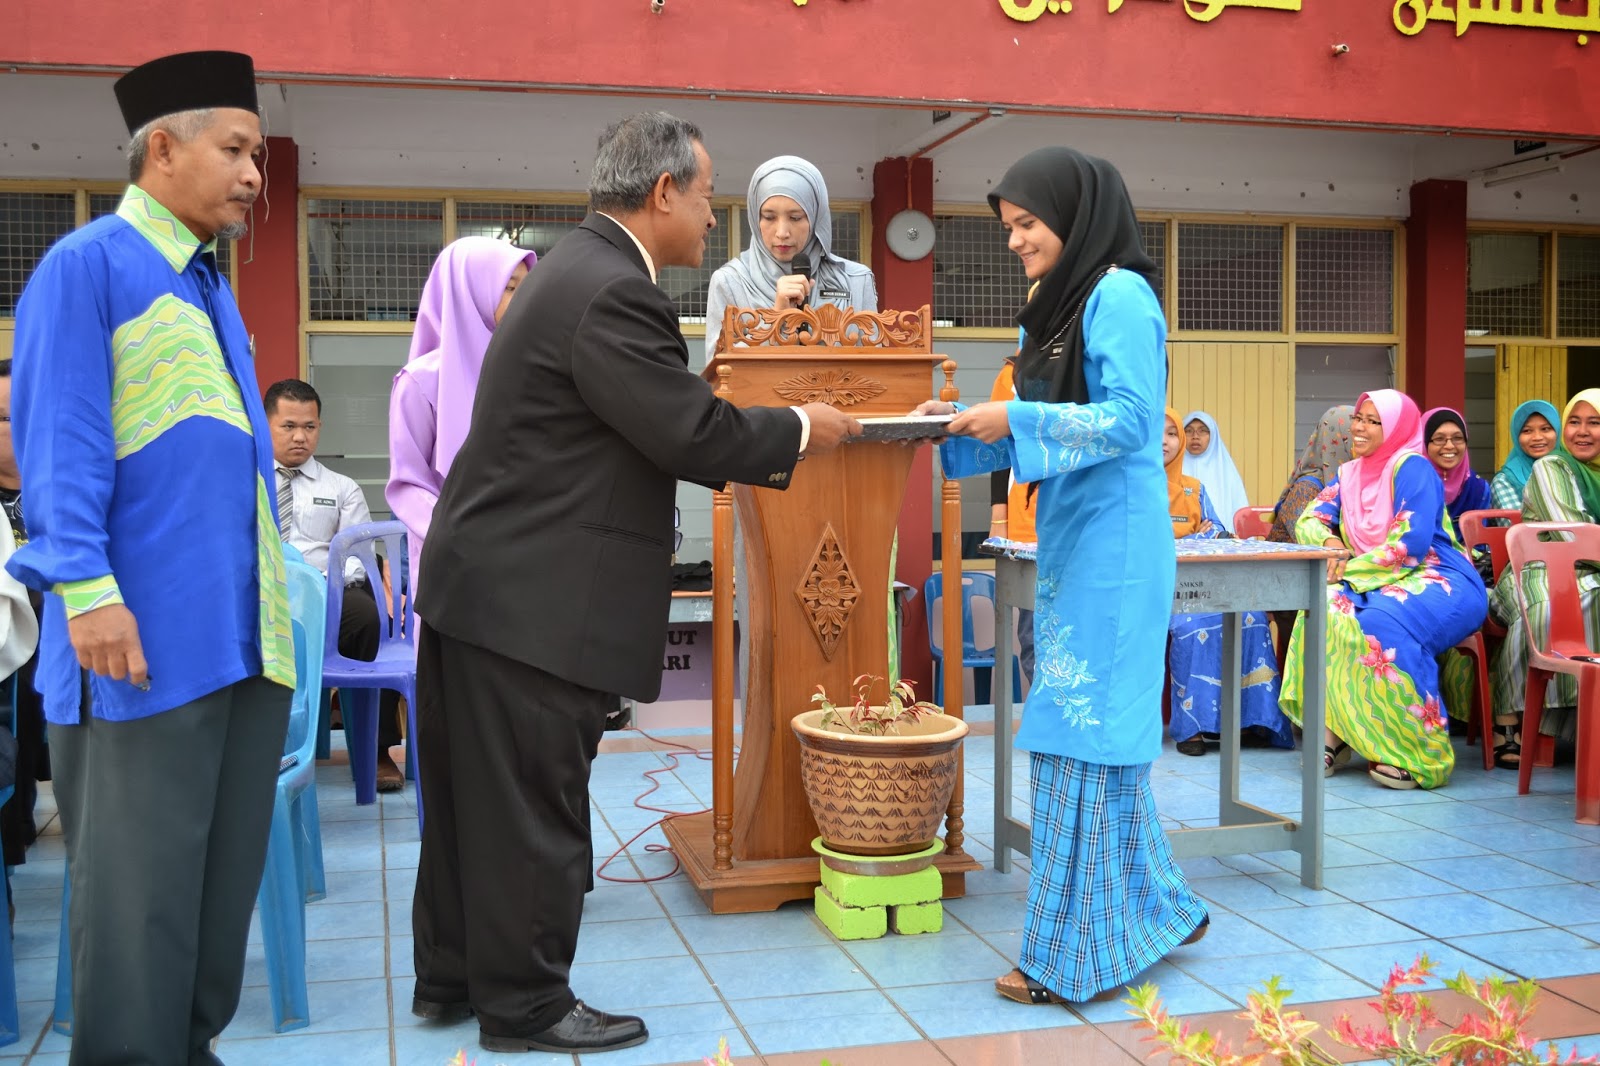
x: 359, y: 633
x: 166, y: 821
x: 506, y: 851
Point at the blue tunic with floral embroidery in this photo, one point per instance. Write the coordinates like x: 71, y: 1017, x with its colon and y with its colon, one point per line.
x: 1106, y: 563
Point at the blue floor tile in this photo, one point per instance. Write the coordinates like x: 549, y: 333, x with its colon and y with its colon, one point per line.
x: 995, y: 912
x: 972, y: 1008
x: 1338, y: 926
x: 1544, y: 938
x: 791, y: 926
x: 1411, y: 845
x: 1241, y: 893
x: 1289, y: 888
x: 1489, y: 874
x: 649, y: 938
x: 1232, y: 937
x: 1579, y: 863
x: 792, y: 971
x: 1363, y: 884
x: 1513, y: 839
x: 1448, y: 915
x: 668, y: 1048
x: 666, y: 982
x: 928, y: 958
x: 1372, y: 963
x: 369, y: 1047
x: 336, y: 1006
x: 434, y: 1045
x: 1307, y: 976
x: 822, y: 1034
x: 1556, y: 904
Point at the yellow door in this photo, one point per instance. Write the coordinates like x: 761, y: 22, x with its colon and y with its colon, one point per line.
x: 5, y: 342
x: 1525, y: 372
x: 1249, y: 390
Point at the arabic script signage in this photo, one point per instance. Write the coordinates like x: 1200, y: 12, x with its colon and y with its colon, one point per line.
x: 1199, y: 10
x: 1411, y: 16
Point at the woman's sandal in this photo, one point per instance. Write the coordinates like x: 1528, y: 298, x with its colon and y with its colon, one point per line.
x: 1334, y: 757
x: 1400, y: 779
x: 1195, y: 745
x: 1508, y: 745
x: 1198, y: 933
x: 1020, y: 988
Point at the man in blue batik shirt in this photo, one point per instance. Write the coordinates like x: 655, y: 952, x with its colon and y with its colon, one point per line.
x: 167, y: 657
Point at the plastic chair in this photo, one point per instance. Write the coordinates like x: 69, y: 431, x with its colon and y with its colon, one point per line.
x: 395, y: 665
x: 1252, y: 522
x: 977, y: 616
x: 1477, y: 531
x: 293, y: 874
x: 1568, y: 652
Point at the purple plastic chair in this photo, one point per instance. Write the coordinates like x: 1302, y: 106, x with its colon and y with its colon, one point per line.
x: 395, y: 665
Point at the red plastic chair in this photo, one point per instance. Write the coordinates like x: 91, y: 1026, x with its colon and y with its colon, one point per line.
x: 1476, y: 531
x: 1252, y: 522
x: 1568, y: 653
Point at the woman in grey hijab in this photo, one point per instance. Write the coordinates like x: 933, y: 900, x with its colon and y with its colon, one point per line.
x: 788, y: 213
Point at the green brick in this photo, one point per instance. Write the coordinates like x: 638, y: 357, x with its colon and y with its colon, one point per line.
x: 851, y: 923
x: 917, y: 917
x: 862, y: 890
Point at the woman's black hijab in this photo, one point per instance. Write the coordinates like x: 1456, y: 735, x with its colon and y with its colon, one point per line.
x: 1084, y: 202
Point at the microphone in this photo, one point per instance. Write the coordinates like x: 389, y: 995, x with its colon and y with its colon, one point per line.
x: 801, y: 265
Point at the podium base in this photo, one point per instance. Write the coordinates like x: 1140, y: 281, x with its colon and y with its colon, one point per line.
x: 765, y: 884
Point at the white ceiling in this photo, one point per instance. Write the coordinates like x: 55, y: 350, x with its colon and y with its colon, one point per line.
x: 65, y: 126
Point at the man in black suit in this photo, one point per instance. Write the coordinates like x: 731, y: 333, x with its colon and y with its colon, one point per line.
x: 546, y: 581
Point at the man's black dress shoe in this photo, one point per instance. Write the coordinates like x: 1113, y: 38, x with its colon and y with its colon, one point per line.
x: 438, y: 1011
x: 583, y: 1030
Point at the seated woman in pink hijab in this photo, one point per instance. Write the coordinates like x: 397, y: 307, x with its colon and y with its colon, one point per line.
x: 465, y: 297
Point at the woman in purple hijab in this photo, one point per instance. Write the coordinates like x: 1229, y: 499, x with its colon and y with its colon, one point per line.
x: 430, y: 409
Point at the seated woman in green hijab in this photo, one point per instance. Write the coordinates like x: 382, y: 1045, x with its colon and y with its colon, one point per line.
x: 1564, y: 486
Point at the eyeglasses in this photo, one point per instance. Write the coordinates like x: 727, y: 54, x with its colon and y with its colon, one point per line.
x: 1442, y: 442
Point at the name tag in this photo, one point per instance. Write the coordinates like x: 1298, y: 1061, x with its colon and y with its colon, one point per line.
x: 835, y: 294
x: 321, y: 501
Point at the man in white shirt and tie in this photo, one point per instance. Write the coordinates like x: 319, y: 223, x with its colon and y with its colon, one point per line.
x: 314, y: 503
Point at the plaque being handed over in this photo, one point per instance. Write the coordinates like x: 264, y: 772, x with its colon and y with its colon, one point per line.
x: 904, y: 427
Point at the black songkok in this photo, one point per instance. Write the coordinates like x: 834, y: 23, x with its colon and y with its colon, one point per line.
x: 187, y: 81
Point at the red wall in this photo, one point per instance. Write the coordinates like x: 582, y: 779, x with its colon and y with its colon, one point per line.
x: 1146, y: 58
x: 269, y: 272
x: 906, y: 284
x: 1436, y: 294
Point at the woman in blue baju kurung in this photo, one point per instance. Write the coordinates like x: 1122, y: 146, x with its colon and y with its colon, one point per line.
x: 1105, y: 898
x: 1194, y: 656
x: 1407, y: 594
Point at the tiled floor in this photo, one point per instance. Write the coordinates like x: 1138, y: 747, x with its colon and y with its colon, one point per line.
x: 1476, y: 876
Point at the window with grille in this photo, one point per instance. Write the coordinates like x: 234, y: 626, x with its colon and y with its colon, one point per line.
x: 1578, y: 286
x: 1154, y: 235
x: 370, y: 258
x: 535, y: 226
x: 977, y: 280
x: 847, y: 234
x: 1230, y: 277
x: 30, y: 222
x: 1343, y: 280
x: 1505, y: 284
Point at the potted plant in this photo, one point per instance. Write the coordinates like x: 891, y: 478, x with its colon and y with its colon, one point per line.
x: 878, y: 775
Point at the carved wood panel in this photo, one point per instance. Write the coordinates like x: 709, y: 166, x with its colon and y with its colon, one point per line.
x: 828, y: 592
x: 840, y: 388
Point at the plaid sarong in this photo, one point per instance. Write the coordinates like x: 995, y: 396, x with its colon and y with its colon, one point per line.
x: 1106, y: 900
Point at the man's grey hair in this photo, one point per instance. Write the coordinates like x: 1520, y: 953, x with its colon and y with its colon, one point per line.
x: 182, y: 126
x: 633, y: 155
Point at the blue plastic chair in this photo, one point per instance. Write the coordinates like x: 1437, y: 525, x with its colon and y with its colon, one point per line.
x: 977, y: 587
x: 293, y: 874
x: 394, y: 667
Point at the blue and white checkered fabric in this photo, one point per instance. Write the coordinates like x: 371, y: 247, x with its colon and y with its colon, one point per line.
x: 1106, y: 900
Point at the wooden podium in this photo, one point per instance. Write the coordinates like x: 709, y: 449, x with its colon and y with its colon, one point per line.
x: 817, y: 566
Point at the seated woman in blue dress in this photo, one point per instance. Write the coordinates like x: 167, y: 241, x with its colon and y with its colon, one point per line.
x: 1406, y: 594
x: 1194, y: 656
x: 1445, y: 433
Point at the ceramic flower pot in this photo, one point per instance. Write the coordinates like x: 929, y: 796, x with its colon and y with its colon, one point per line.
x: 879, y: 795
